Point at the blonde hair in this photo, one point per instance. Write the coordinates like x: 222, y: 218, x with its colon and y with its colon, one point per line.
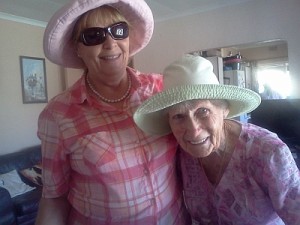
x: 104, y: 14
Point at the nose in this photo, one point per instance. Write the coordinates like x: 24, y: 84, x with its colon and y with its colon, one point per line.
x: 109, y: 41
x: 193, y: 127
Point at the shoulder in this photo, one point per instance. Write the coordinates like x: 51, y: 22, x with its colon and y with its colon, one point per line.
x: 262, y: 145
x: 65, y: 100
x: 146, y: 84
x: 147, y: 78
x: 259, y: 135
x: 151, y: 77
x: 269, y: 158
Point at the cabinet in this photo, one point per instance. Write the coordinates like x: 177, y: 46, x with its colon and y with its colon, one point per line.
x: 235, y: 77
x: 230, y: 77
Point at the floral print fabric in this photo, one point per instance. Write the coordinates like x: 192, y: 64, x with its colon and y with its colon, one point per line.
x: 260, y: 186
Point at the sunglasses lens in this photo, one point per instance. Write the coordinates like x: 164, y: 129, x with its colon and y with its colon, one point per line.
x: 119, y: 31
x: 93, y: 36
x: 97, y: 35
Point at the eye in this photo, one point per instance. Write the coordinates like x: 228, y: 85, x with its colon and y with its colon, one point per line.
x: 202, y: 112
x: 177, y: 117
x: 92, y: 35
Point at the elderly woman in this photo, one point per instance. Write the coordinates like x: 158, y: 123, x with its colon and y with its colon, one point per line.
x: 98, y: 167
x: 233, y: 173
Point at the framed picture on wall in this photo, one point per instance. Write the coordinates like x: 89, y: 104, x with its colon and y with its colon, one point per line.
x: 33, y: 79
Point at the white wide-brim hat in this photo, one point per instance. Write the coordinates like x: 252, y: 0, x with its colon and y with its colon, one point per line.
x: 58, y: 47
x: 191, y: 77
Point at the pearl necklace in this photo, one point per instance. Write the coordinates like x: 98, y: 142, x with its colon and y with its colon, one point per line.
x: 106, y: 99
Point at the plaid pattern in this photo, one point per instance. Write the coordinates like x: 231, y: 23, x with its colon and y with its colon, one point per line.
x: 114, y: 173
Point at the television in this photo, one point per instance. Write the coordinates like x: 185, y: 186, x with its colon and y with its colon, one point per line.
x: 281, y: 116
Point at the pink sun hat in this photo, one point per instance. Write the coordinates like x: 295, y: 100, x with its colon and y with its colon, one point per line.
x: 58, y: 47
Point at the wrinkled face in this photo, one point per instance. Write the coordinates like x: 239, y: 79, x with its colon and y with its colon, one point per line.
x: 198, y: 125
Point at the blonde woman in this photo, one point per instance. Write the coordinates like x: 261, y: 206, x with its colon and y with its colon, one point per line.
x: 98, y: 167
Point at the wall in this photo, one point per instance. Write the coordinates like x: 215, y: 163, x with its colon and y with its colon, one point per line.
x: 18, y: 121
x: 263, y: 53
x: 248, y: 22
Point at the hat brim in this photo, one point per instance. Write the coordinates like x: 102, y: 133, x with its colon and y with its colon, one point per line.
x: 150, y: 117
x: 58, y: 47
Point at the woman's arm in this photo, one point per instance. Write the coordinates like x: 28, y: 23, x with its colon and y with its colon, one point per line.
x: 53, y: 211
x: 283, y: 180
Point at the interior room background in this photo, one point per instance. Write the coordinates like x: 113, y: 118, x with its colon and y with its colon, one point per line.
x: 248, y: 22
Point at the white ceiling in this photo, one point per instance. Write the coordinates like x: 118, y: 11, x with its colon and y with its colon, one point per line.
x: 40, y: 11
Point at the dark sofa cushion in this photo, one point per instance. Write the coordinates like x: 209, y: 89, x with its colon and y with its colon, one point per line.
x: 7, y: 216
x: 23, y: 207
x: 20, y: 160
x: 28, y: 202
x: 28, y: 219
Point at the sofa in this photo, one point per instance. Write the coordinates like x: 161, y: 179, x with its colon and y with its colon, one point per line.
x: 20, y: 186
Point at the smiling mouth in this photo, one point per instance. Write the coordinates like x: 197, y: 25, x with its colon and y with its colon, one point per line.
x: 110, y: 57
x: 199, y: 141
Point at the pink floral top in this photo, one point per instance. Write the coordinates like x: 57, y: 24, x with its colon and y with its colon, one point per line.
x: 260, y: 186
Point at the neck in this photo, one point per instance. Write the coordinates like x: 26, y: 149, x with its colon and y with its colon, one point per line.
x: 223, y: 141
x: 108, y: 90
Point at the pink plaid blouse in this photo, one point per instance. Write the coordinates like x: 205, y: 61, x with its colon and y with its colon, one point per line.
x: 112, y: 171
x: 260, y: 186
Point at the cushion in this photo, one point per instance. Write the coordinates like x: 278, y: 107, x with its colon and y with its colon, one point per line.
x: 28, y: 202
x: 12, y: 182
x: 20, y: 160
x: 7, y: 215
x: 28, y: 219
x: 32, y: 175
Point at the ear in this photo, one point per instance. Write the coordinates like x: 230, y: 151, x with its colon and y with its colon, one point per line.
x: 225, y: 113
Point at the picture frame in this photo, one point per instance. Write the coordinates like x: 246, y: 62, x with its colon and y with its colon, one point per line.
x: 33, y: 80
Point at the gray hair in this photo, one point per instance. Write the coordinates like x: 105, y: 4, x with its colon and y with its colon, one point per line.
x: 222, y: 103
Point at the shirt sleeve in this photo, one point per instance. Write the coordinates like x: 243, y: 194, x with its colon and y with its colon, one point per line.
x: 281, y: 179
x: 55, y: 163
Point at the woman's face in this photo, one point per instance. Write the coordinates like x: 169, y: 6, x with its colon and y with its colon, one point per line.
x: 198, y: 126
x: 109, y: 58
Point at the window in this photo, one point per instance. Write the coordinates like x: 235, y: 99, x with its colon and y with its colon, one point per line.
x: 273, y: 79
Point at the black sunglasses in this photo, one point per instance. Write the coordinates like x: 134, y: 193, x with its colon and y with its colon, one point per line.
x: 97, y: 35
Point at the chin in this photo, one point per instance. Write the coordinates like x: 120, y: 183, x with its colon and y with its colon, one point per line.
x: 203, y: 155
x: 198, y: 151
